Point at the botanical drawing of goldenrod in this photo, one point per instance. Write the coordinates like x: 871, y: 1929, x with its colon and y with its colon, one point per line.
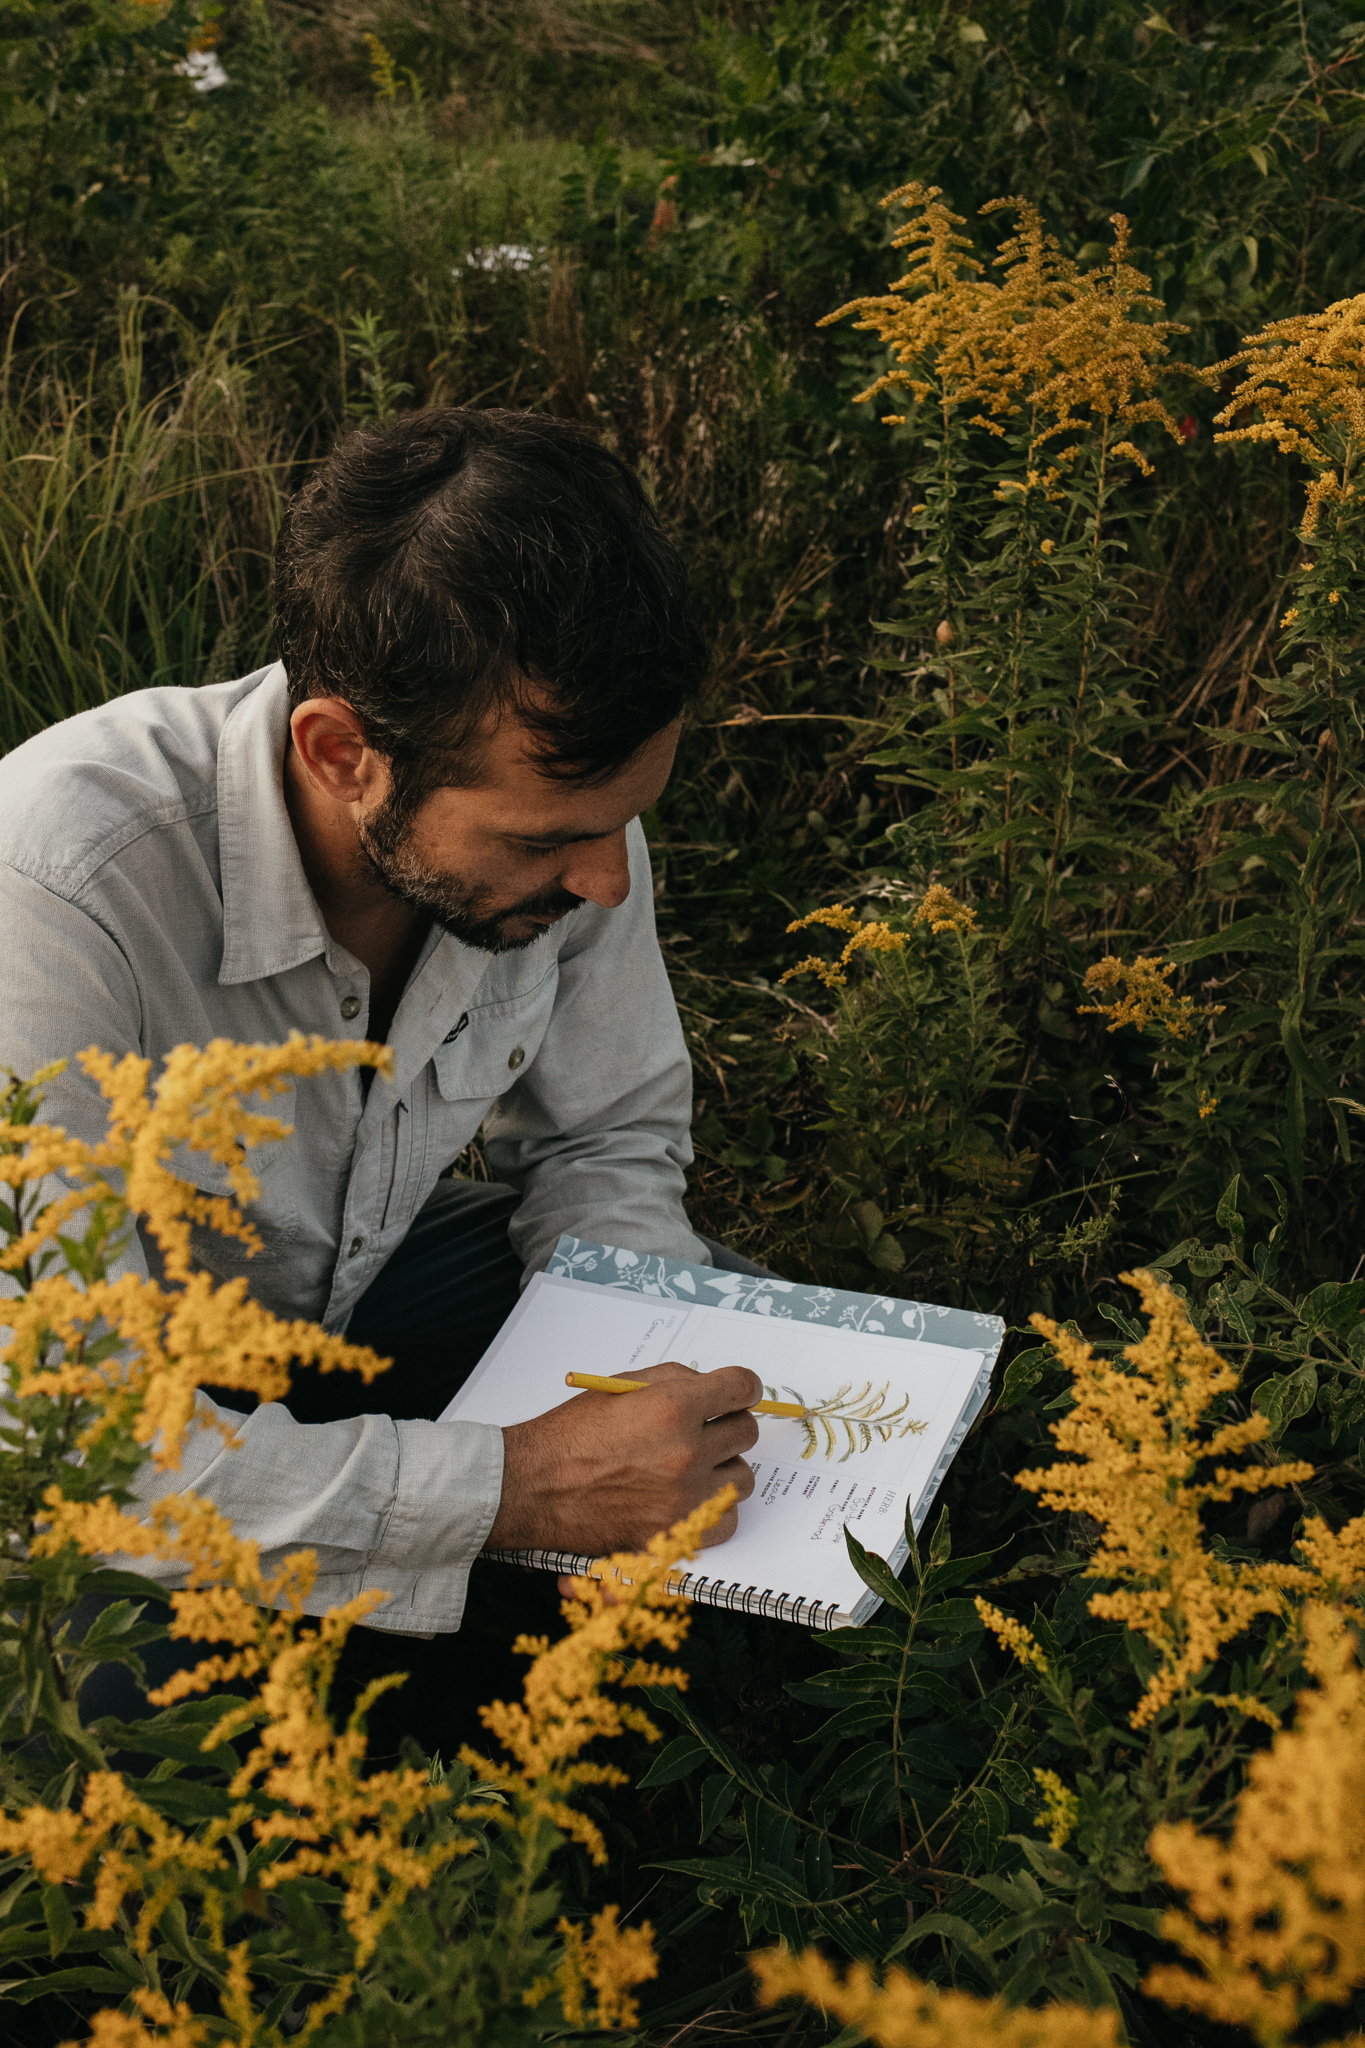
x: 863, y: 1417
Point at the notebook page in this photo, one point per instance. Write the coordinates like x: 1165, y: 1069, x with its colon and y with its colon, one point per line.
x: 890, y: 1407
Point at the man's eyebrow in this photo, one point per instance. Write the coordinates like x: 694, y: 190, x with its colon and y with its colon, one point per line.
x: 554, y: 838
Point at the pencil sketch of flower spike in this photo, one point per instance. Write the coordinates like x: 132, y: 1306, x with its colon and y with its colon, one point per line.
x: 854, y: 1419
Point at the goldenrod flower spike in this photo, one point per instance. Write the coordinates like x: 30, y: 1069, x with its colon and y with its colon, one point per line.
x: 1306, y: 379
x: 1141, y: 995
x: 937, y: 908
x: 1144, y: 1458
x: 902, y: 2012
x: 1274, y: 1924
x: 1061, y: 1809
x: 1072, y: 347
x: 1011, y: 1635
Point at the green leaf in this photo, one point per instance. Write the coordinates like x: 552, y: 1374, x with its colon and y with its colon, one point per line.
x: 951, y: 1617
x: 858, y: 1719
x: 677, y: 1759
x: 85, y: 1977
x: 872, y: 1761
x: 61, y: 1921
x: 886, y: 1254
x: 948, y: 1926
x: 1023, y: 1374
x: 941, y: 1542
x: 1285, y: 1396
x: 1176, y: 1256
x: 718, y: 1795
x: 940, y: 1577
x: 1226, y: 1213
x: 878, y: 1576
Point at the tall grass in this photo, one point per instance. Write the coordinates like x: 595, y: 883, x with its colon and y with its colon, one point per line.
x: 135, y: 527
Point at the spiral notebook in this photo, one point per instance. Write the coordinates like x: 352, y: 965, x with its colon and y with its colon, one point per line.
x: 891, y: 1389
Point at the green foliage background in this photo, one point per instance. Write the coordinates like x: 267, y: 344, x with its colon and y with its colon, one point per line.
x: 635, y: 214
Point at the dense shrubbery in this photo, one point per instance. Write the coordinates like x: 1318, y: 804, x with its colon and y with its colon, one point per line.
x: 1098, y: 705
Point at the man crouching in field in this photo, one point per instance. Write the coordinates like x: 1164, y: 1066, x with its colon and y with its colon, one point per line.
x: 420, y: 826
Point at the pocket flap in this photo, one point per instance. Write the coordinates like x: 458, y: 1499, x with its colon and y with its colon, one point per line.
x: 485, y: 1057
x: 202, y: 1171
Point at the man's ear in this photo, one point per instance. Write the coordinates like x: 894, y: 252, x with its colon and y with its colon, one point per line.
x: 333, y: 750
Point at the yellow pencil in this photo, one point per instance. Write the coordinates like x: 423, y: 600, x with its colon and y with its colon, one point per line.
x: 593, y: 1383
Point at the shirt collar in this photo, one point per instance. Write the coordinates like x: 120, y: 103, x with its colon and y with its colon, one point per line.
x: 270, y: 920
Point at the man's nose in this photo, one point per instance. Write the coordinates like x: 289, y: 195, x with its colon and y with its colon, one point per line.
x: 599, y: 871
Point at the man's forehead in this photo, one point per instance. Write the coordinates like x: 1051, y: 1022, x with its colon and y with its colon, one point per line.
x: 517, y: 794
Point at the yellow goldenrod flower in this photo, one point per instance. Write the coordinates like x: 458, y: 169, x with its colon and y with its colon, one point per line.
x: 1207, y: 1103
x: 1061, y: 1809
x: 866, y: 938
x: 1072, y: 346
x: 942, y: 912
x: 1288, y: 618
x: 1142, y: 995
x: 1274, y: 1924
x: 902, y: 2012
x: 1139, y: 1440
x: 610, y: 1960
x: 1305, y: 377
x: 1011, y: 1634
x: 303, y: 1789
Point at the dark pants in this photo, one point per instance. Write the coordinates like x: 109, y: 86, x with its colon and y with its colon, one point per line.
x: 434, y: 1310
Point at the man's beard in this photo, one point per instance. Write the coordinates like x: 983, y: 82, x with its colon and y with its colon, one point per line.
x: 464, y: 912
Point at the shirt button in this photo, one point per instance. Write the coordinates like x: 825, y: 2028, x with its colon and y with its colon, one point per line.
x: 350, y: 1007
x: 516, y: 1056
x: 357, y: 1245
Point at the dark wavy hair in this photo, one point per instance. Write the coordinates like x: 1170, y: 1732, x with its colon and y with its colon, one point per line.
x: 442, y: 562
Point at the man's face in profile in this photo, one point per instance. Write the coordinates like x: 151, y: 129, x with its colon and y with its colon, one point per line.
x: 497, y: 864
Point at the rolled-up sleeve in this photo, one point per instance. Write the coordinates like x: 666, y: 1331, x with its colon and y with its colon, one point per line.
x: 595, y: 1134
x: 403, y: 1508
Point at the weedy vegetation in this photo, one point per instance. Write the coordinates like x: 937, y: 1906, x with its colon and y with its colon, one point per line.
x: 1001, y: 373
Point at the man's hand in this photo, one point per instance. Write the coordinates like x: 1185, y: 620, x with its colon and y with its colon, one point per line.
x: 608, y: 1471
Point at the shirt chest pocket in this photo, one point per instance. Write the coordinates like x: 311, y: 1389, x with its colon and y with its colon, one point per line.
x: 267, y: 1162
x: 494, y: 1044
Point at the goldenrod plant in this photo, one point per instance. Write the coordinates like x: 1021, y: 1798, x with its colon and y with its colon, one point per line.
x: 235, y: 1869
x: 1270, y: 1937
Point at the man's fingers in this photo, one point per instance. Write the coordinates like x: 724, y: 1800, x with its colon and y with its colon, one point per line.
x: 737, y: 1473
x: 707, y: 1394
x: 721, y: 1531
x: 727, y: 1391
x: 727, y: 1436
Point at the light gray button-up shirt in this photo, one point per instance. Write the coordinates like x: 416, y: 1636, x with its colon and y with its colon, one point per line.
x: 152, y: 894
